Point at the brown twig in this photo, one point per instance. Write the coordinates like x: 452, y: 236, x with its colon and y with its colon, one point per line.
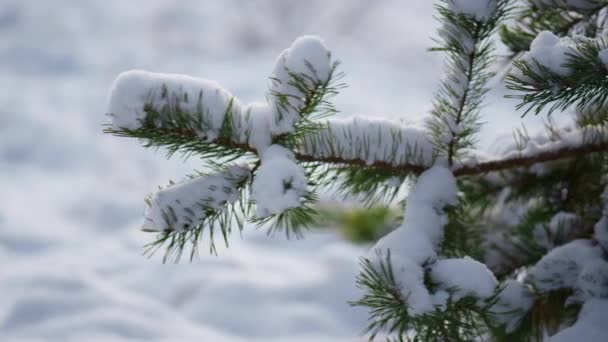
x: 525, y: 161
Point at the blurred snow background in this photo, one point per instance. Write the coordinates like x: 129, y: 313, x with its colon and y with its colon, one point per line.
x: 71, y: 198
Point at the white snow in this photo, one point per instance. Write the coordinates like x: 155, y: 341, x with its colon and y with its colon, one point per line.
x: 550, y: 51
x: 513, y: 302
x: 603, y: 56
x: 309, y: 59
x: 415, y: 242
x: 601, y: 232
x: 601, y: 227
x: 409, y: 243
x: 590, y: 326
x: 370, y: 140
x: 561, y: 226
x: 280, y: 182
x: 253, y: 127
x: 562, y: 221
x: 465, y: 277
x: 593, y: 280
x: 481, y: 10
x: 561, y: 267
x: 436, y: 186
x: 184, y: 205
x: 435, y: 189
x: 309, y: 56
x: 133, y: 90
x: 422, y: 227
x: 409, y: 276
x: 540, y: 143
x: 440, y: 300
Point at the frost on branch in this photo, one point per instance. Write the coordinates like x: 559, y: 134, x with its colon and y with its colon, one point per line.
x: 280, y: 183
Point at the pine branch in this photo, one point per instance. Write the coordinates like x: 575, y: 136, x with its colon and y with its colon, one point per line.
x: 292, y: 149
x: 565, y: 152
x: 182, y: 212
x: 188, y: 143
x: 532, y: 20
x: 461, y: 106
x: 465, y: 38
x: 458, y: 321
x: 581, y: 82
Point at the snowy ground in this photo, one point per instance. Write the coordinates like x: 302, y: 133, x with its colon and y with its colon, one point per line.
x: 71, y: 201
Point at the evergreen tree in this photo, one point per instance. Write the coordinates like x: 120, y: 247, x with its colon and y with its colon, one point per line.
x: 511, y: 247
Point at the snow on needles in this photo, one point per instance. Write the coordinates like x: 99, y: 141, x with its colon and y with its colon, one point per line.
x: 413, y: 245
x: 370, y: 140
x: 300, y: 68
x: 280, y: 182
x: 549, y: 51
x: 590, y: 325
x: 203, y: 100
x: 579, y: 265
x: 568, y: 138
x: 561, y: 267
x: 464, y: 277
x: 185, y: 205
x: 413, y: 249
x: 422, y: 227
x: 512, y: 304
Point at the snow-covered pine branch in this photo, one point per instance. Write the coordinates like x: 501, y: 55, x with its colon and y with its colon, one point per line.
x: 397, y: 273
x: 558, y: 144
x: 507, y: 247
x: 561, y: 17
x: 464, y: 36
x: 199, y: 117
x: 183, y: 212
x: 560, y: 72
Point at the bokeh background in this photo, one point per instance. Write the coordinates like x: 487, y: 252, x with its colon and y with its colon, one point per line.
x: 71, y: 199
